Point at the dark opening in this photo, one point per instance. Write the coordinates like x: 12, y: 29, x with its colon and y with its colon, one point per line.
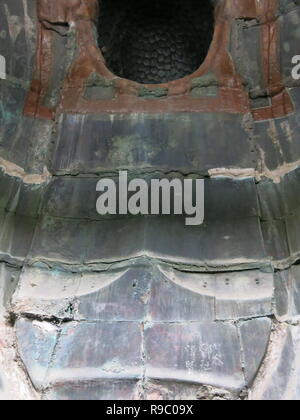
x: 155, y: 41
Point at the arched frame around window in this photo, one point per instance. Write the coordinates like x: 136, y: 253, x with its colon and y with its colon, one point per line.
x: 216, y: 86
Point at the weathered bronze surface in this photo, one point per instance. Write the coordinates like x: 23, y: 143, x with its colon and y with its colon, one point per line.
x: 144, y: 307
x: 233, y: 96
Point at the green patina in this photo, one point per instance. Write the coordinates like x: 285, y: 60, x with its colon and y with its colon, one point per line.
x: 154, y: 93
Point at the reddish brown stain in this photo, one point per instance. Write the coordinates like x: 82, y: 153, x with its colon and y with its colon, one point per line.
x: 232, y: 97
x: 270, y: 37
